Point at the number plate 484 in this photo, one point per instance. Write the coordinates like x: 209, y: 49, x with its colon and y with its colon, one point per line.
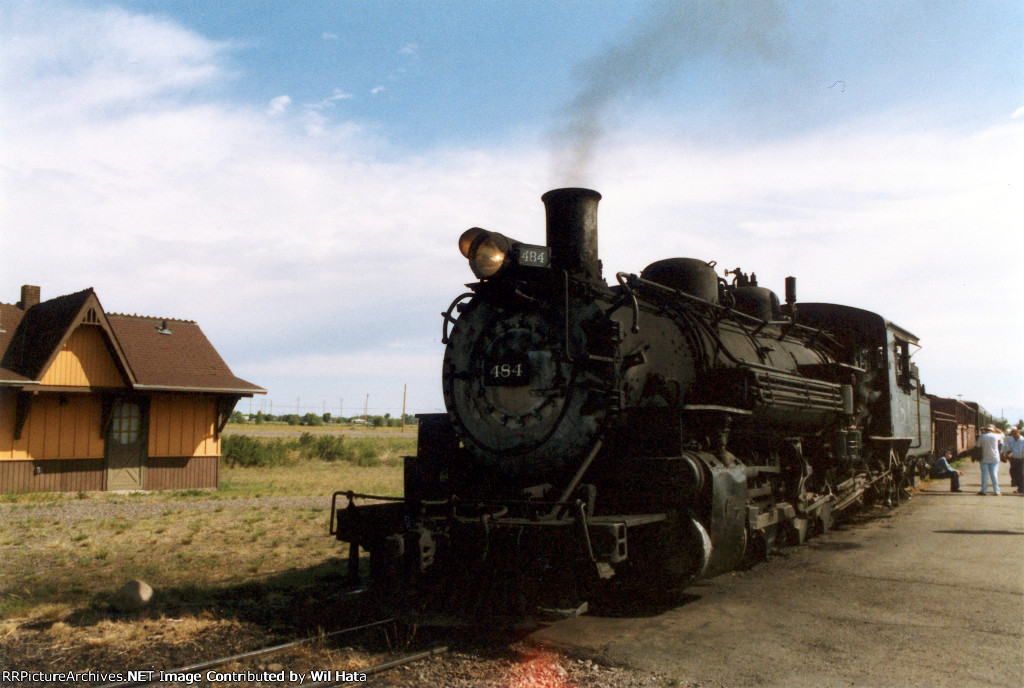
x: 507, y: 372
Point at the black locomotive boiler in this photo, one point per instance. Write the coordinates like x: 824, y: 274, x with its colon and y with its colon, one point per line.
x: 632, y: 437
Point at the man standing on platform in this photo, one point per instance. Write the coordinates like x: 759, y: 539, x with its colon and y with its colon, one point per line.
x: 991, y: 443
x: 1013, y: 446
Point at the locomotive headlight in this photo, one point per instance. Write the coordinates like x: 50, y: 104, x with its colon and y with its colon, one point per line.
x: 467, y: 238
x: 488, y: 252
x: 490, y: 256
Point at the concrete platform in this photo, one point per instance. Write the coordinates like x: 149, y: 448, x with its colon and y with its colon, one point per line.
x: 929, y: 594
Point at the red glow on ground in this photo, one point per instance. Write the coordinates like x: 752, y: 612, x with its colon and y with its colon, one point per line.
x: 539, y: 669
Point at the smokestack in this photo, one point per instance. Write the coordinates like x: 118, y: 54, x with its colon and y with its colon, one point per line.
x: 572, y: 231
x: 29, y: 297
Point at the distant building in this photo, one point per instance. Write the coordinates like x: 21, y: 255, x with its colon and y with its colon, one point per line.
x: 101, y: 401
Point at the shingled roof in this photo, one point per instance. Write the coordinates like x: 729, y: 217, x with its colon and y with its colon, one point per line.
x: 174, y: 355
x: 152, y: 353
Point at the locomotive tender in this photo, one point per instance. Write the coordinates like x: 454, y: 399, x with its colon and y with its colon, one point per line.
x: 633, y: 437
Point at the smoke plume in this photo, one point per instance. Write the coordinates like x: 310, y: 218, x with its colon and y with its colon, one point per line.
x: 675, y: 33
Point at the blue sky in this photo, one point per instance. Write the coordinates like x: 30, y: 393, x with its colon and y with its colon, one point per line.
x: 294, y: 175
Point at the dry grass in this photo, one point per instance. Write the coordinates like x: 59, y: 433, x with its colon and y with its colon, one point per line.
x: 311, y: 478
x: 51, y: 561
x: 235, y: 569
x: 225, y: 581
x: 90, y: 643
x: 285, y: 430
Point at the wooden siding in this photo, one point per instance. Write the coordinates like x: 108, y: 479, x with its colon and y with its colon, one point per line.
x: 183, y: 425
x: 182, y: 473
x: 84, y: 361
x: 59, y: 426
x: 74, y: 475
x: 52, y: 476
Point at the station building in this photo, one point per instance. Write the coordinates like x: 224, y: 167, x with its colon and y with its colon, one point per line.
x: 91, y: 400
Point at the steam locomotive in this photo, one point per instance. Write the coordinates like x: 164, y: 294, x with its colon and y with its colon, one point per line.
x: 634, y: 437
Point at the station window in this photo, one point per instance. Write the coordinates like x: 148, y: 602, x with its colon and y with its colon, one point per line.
x: 124, y: 426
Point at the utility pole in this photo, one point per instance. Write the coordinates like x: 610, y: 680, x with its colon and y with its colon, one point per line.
x: 405, y: 391
x: 366, y: 410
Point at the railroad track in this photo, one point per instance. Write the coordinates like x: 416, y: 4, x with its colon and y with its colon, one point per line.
x: 395, y: 663
x: 202, y: 666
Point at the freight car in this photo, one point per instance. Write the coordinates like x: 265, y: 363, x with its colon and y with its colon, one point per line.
x: 633, y: 437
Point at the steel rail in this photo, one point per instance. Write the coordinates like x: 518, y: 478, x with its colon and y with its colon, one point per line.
x: 384, y: 666
x: 246, y: 655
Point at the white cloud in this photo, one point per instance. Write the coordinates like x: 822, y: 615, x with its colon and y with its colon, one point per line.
x: 110, y: 58
x: 382, y: 364
x: 279, y: 105
x: 330, y: 101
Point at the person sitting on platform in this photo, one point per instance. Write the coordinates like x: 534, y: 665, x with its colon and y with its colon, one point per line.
x: 942, y: 469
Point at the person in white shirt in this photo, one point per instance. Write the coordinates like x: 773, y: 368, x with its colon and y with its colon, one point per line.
x: 991, y: 443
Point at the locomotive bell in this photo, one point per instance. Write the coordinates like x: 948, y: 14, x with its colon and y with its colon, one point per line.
x: 572, y: 230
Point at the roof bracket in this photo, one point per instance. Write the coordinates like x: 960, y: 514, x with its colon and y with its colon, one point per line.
x: 225, y: 406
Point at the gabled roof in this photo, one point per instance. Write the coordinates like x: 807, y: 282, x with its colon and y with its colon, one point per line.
x: 44, y: 328
x: 149, y: 356
x: 39, y: 331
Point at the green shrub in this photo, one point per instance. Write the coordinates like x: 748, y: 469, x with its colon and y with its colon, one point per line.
x: 333, y: 448
x: 365, y: 452
x: 324, y: 448
x: 243, y: 450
